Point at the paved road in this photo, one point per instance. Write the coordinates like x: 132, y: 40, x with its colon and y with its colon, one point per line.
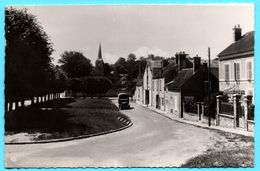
x: 152, y: 141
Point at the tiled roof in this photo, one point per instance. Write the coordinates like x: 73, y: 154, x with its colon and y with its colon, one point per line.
x: 170, y: 72
x: 157, y: 72
x: 181, y: 78
x: 244, y: 44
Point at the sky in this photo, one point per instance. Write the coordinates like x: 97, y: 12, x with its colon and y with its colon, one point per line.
x: 142, y: 29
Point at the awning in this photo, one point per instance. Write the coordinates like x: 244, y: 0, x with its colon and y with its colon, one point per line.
x: 234, y: 90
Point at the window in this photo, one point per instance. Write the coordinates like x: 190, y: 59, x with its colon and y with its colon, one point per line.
x: 249, y: 70
x: 162, y: 101
x: 237, y: 71
x: 226, y: 72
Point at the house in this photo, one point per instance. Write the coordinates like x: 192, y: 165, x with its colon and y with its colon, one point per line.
x: 165, y: 88
x: 236, y: 82
x: 236, y: 64
x: 152, y: 70
x: 189, y: 87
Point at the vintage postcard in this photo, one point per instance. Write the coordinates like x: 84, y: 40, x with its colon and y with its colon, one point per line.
x: 129, y: 86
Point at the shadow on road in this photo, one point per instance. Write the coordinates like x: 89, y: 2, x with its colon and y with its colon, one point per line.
x: 131, y: 108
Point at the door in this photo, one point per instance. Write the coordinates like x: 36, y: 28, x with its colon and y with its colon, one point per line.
x: 146, y: 97
x: 157, y: 101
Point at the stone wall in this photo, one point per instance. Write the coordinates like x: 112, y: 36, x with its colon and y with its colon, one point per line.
x: 226, y: 121
x: 190, y: 116
x: 251, y: 125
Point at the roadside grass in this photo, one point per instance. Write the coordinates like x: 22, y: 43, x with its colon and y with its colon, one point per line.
x: 231, y: 150
x: 64, y: 118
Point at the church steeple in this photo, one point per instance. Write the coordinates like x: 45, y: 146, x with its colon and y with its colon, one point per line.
x: 99, y: 52
x: 99, y: 68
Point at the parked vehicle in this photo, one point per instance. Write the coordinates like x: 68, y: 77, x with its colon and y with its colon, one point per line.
x: 123, y: 101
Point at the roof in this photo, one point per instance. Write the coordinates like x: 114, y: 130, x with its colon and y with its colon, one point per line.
x: 170, y: 72
x: 181, y: 78
x: 244, y: 44
x: 215, y: 72
x: 233, y: 90
x: 139, y: 82
x: 157, y: 72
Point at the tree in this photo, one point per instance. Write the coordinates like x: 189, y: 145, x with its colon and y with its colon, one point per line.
x: 119, y: 67
x: 131, y: 57
x: 74, y: 85
x: 107, y: 70
x: 95, y: 85
x: 75, y: 64
x: 27, y: 55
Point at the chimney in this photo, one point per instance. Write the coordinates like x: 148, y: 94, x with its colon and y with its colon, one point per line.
x: 177, y: 57
x: 237, y: 33
x: 181, y: 60
x: 205, y: 65
x: 196, y: 63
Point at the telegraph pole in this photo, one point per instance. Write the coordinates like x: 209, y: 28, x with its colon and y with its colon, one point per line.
x: 209, y: 92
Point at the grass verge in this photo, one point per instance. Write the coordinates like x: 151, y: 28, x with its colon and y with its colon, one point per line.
x: 64, y: 118
x: 230, y: 150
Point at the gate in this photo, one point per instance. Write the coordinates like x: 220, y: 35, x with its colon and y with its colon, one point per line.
x: 226, y: 108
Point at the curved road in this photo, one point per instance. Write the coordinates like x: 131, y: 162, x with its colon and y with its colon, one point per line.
x: 152, y: 141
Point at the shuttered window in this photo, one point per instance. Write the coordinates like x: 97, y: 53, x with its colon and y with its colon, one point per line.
x: 237, y: 71
x: 226, y: 72
x: 249, y: 70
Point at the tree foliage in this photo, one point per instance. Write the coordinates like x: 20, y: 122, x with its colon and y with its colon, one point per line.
x: 75, y: 64
x: 28, y: 56
x: 90, y: 85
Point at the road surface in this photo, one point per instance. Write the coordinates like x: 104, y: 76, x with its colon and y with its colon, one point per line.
x: 152, y: 141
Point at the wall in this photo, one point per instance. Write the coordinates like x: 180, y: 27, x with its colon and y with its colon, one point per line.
x: 174, y: 102
x: 251, y: 126
x: 190, y: 116
x: 139, y: 94
x: 155, y: 91
x: 226, y: 121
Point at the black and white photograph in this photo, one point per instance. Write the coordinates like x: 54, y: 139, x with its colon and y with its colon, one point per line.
x: 129, y: 86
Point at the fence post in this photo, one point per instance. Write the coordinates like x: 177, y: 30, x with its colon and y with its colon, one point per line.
x: 10, y: 105
x: 202, y: 110
x: 218, y: 109
x: 235, y: 110
x: 245, y: 100
x: 198, y: 110
x: 236, y: 100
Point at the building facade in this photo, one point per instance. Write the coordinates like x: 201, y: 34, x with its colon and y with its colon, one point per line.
x: 152, y: 70
x: 167, y: 88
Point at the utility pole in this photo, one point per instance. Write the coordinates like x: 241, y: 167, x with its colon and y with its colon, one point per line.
x: 209, y: 86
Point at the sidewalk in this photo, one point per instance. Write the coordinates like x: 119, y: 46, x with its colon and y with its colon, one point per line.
x: 200, y: 124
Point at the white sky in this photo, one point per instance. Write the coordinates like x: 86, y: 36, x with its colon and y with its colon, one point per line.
x: 159, y: 29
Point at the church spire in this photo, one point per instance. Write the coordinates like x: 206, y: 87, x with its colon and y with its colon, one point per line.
x: 99, y: 68
x: 99, y: 52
